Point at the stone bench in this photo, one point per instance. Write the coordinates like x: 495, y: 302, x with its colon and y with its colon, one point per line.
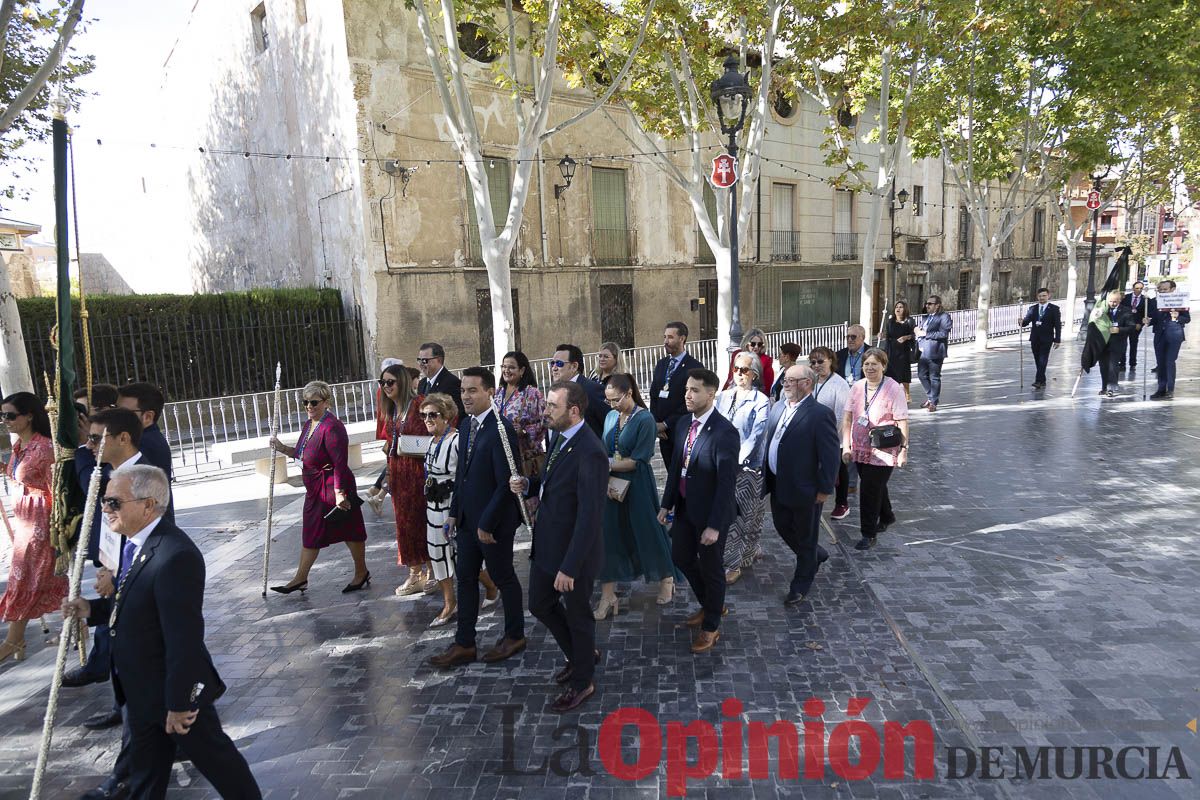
x: 258, y: 450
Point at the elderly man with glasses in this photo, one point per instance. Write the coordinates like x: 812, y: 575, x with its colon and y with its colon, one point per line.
x: 849, y: 358
x: 431, y: 360
x: 933, y: 337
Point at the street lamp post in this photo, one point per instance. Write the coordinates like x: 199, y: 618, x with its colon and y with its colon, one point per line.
x: 731, y: 95
x: 1089, y: 302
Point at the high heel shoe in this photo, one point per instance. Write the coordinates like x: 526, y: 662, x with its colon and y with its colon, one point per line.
x: 354, y: 587
x: 301, y: 587
x: 606, y: 604
x: 666, y: 591
x: 17, y: 651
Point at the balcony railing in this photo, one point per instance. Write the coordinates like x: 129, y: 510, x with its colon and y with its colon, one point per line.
x: 613, y: 247
x: 845, y: 246
x: 785, y: 245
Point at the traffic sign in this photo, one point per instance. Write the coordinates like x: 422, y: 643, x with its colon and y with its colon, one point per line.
x: 724, y: 171
x: 1093, y: 200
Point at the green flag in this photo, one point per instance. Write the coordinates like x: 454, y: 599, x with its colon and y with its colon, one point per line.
x: 67, y: 434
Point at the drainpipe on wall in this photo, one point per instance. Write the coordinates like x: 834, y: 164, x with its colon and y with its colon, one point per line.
x: 541, y: 171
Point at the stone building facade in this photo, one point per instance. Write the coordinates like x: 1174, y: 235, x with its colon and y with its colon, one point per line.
x: 344, y: 89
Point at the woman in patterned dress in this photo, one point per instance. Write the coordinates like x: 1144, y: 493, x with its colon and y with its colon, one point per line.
x: 33, y: 588
x: 406, y: 475
x: 322, y: 450
x: 876, y: 400
x: 519, y: 399
x: 439, y: 414
x: 747, y: 408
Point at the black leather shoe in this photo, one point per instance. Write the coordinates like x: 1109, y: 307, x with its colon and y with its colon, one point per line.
x: 1161, y: 394
x: 793, y: 598
x: 80, y: 677
x: 564, y: 674
x: 103, y: 720
x: 572, y: 699
x: 109, y: 790
x: 822, y: 555
x: 865, y: 543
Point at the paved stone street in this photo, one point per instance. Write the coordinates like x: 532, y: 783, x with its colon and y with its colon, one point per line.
x: 1038, y: 589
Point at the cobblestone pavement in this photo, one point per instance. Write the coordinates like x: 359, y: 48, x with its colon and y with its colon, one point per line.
x: 1039, y: 589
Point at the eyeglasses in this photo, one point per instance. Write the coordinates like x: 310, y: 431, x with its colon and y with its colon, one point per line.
x: 932, y: 303
x: 313, y: 403
x: 755, y: 344
x: 851, y: 335
x: 815, y: 361
x: 558, y: 363
x: 424, y: 361
x: 95, y: 438
x: 794, y: 381
x: 614, y: 401
x: 389, y: 383
x: 10, y: 415
x: 115, y: 503
x: 429, y: 414
x: 743, y: 370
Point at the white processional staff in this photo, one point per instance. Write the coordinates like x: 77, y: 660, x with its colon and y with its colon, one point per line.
x: 1020, y: 336
x: 274, y: 425
x: 81, y: 547
x: 512, y: 468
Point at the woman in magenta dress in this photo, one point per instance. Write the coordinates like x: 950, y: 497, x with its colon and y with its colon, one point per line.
x: 328, y: 482
x: 33, y: 588
x: 406, y: 475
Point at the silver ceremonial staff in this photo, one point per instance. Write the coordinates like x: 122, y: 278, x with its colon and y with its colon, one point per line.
x: 271, y: 485
x: 512, y: 468
x: 81, y: 548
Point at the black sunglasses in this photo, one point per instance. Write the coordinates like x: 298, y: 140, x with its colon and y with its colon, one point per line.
x: 429, y: 414
x: 933, y: 303
x: 115, y: 503
x: 743, y: 370
x: 755, y: 344
x: 424, y: 360
x: 389, y: 382
x: 9, y: 415
x: 313, y: 403
x: 816, y: 361
x: 95, y: 438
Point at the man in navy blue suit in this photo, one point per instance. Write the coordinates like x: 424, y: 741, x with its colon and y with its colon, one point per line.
x: 669, y: 385
x: 567, y: 365
x: 1046, y: 333
x: 568, y: 540
x: 801, y: 465
x: 162, y: 672
x: 483, y: 519
x: 700, y: 492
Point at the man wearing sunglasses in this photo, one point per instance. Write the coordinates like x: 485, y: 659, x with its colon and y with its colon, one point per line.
x: 122, y: 431
x: 161, y: 669
x: 933, y: 337
x: 567, y: 365
x: 850, y: 357
x: 431, y: 360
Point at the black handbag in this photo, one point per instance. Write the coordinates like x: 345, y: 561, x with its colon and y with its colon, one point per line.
x: 438, y: 491
x: 886, y: 437
x: 337, y: 514
x: 914, y: 351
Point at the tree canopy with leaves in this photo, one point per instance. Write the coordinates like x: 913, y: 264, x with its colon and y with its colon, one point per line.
x: 37, y: 60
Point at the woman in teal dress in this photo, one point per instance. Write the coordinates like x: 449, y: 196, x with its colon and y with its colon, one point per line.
x: 635, y: 544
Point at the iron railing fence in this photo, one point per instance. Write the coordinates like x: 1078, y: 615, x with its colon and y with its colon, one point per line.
x: 845, y: 246
x: 1002, y: 320
x: 195, y: 427
x: 785, y: 245
x: 614, y: 247
x: 204, y: 357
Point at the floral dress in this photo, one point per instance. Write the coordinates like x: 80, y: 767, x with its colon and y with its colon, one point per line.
x: 524, y: 410
x: 406, y: 483
x: 33, y: 588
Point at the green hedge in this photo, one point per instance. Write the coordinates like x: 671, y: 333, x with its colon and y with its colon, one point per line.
x: 40, y: 310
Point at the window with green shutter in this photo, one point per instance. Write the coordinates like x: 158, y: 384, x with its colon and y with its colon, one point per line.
x: 704, y: 253
x: 610, y: 222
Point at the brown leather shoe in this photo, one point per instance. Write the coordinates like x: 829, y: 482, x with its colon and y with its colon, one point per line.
x: 572, y: 699
x: 505, y: 648
x: 695, y: 620
x: 455, y: 656
x: 564, y: 674
x: 705, y: 640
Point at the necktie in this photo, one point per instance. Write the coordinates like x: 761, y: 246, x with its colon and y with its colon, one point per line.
x: 127, y: 551
x: 474, y: 431
x: 1041, y: 311
x: 423, y: 387
x: 1135, y: 301
x: 687, y: 456
x: 554, y: 448
x: 671, y: 368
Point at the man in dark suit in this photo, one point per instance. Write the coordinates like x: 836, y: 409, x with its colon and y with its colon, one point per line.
x: 431, y: 360
x: 1142, y: 310
x: 1045, y: 335
x: 162, y: 671
x: 669, y: 384
x: 568, y: 540
x: 789, y: 354
x: 1123, y: 323
x: 850, y: 357
x: 147, y: 401
x: 567, y: 365
x: 799, y: 471
x: 483, y: 519
x: 700, y: 492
